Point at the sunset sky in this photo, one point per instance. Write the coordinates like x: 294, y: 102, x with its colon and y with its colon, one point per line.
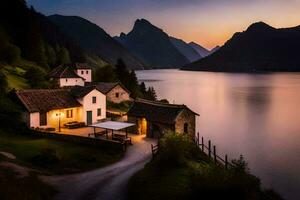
x: 207, y: 22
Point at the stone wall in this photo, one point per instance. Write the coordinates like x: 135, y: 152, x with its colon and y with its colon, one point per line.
x: 123, y: 95
x: 189, y: 118
x: 98, y: 142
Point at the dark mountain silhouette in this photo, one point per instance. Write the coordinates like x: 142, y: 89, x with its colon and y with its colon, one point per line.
x: 259, y: 48
x: 200, y: 50
x: 189, y: 52
x: 152, y: 46
x: 37, y: 38
x: 213, y: 50
x: 95, y: 40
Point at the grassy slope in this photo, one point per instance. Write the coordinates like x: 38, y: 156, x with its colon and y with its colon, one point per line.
x: 71, y: 157
x: 14, y: 77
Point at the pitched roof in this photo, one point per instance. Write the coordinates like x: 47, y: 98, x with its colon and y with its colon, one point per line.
x: 81, y: 91
x: 43, y: 100
x: 81, y: 66
x: 63, y: 71
x: 157, y: 111
x: 106, y: 87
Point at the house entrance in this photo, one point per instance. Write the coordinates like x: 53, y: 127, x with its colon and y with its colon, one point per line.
x: 89, y: 117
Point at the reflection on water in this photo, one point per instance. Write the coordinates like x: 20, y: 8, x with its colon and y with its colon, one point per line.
x: 257, y: 115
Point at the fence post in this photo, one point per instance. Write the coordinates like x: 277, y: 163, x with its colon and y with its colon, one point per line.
x: 198, y: 139
x: 152, y: 151
x: 209, y: 148
x: 226, y: 161
x: 215, y: 154
x: 202, y: 143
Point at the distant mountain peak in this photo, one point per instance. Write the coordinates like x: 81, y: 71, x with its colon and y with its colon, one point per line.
x: 143, y: 23
x: 259, y: 26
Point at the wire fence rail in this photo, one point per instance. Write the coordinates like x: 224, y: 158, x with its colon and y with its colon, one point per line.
x: 211, y: 151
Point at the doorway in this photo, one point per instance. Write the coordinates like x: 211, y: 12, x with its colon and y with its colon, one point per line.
x: 89, y: 117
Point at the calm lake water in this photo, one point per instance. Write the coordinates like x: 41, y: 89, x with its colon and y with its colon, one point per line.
x: 257, y: 115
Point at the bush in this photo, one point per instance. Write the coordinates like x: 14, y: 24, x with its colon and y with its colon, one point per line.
x: 175, y: 149
x: 46, y: 158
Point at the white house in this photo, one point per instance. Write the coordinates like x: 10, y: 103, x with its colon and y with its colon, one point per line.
x: 45, y: 108
x: 75, y: 74
x: 84, y: 71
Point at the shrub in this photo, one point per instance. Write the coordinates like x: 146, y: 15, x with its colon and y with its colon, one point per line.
x: 175, y: 149
x: 46, y: 158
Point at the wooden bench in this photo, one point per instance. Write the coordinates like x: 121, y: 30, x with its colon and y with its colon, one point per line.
x: 98, y: 134
x: 73, y: 125
x: 122, y: 138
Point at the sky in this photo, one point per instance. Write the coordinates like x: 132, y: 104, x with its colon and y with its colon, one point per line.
x: 207, y: 22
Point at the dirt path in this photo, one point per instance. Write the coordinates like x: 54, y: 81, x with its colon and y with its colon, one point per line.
x: 108, y: 183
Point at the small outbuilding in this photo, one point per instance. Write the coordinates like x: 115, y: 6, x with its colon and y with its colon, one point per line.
x: 115, y: 92
x: 155, y: 118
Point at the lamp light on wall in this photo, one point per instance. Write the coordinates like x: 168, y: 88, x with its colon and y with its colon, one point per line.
x: 59, y: 115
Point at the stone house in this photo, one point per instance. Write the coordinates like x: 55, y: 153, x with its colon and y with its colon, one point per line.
x: 45, y: 108
x: 115, y: 92
x: 155, y: 118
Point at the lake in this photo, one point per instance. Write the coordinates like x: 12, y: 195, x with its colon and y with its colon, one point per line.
x: 256, y: 115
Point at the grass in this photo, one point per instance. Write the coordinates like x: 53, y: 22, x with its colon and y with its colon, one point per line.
x: 55, y: 157
x: 25, y: 188
x: 15, y: 78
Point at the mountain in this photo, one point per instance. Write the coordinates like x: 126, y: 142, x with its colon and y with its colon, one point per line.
x: 259, y: 48
x: 152, y: 45
x: 184, y: 48
x: 94, y: 39
x: 213, y: 50
x: 199, y: 49
x: 31, y: 36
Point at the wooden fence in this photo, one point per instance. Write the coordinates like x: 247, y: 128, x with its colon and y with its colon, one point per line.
x: 211, y: 151
x: 154, y: 150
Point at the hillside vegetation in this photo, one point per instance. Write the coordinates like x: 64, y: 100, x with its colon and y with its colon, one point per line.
x: 181, y: 171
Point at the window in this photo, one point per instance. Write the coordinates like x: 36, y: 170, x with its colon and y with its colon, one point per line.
x: 82, y: 71
x: 87, y: 72
x: 99, y: 112
x: 117, y: 95
x: 43, y: 119
x: 69, y: 113
x: 66, y: 80
x: 185, y: 128
x: 94, y: 100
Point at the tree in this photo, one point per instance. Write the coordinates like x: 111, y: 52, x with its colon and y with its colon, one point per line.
x: 105, y: 74
x: 128, y: 79
x: 143, y: 88
x: 63, y: 56
x: 151, y: 94
x: 9, y: 53
x: 51, y: 55
x: 36, y: 77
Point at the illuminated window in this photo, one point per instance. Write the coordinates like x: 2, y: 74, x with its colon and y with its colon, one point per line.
x: 69, y: 113
x: 94, y: 100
